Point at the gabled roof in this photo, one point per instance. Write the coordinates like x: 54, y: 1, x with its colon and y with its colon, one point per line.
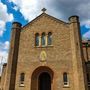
x: 44, y: 14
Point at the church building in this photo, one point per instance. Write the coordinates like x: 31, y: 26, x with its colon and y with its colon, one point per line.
x: 47, y: 54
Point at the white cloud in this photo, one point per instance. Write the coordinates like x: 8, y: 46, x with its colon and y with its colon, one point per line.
x: 86, y: 23
x: 2, y: 27
x: 3, y: 56
x: 87, y: 35
x: 28, y: 8
x: 83, y: 9
x: 60, y: 8
x: 3, y: 59
x: 4, y: 17
x: 15, y: 8
x: 32, y: 8
x: 4, y: 46
x: 17, y: 2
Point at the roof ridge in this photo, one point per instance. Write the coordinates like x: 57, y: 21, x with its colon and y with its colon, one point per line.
x: 46, y: 15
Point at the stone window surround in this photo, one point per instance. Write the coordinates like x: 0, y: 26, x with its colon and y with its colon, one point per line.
x: 46, y: 40
x: 21, y: 84
x: 66, y: 84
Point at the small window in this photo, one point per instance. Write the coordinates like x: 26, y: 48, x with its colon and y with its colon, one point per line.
x: 65, y: 79
x: 43, y: 39
x: 49, y: 38
x: 22, y: 77
x: 36, y: 39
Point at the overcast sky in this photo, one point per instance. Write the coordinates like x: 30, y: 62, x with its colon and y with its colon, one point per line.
x: 24, y: 11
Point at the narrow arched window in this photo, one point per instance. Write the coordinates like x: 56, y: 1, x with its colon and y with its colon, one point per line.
x: 65, y: 79
x: 22, y: 77
x: 49, y: 38
x: 43, y: 39
x: 36, y: 39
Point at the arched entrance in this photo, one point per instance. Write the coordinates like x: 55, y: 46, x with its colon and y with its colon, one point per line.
x: 42, y: 79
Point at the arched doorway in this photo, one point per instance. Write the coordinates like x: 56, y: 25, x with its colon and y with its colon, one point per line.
x: 42, y: 78
x: 44, y: 81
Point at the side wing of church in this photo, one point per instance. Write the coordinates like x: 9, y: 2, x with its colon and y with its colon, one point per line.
x: 46, y: 54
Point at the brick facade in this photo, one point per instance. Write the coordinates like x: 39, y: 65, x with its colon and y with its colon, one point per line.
x: 63, y: 56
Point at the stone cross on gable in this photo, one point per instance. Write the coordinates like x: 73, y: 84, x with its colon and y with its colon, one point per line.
x: 43, y: 10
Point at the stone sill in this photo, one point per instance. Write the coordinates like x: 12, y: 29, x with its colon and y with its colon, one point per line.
x: 43, y: 46
x: 21, y: 85
x: 66, y: 86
